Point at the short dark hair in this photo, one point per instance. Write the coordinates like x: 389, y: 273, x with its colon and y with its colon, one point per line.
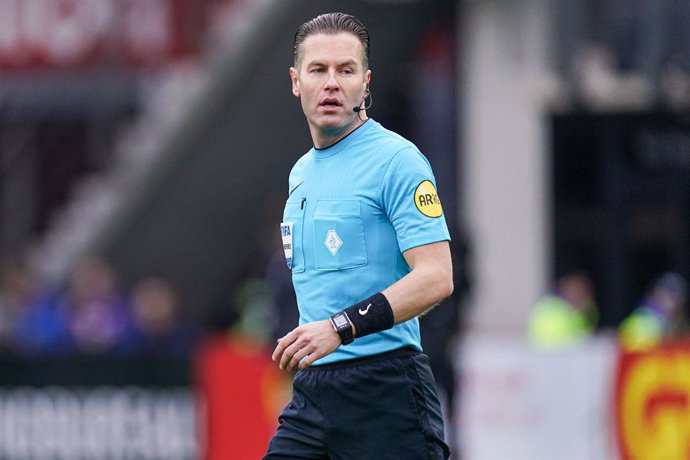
x: 332, y: 23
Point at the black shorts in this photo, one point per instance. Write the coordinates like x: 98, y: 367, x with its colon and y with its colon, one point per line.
x: 379, y: 407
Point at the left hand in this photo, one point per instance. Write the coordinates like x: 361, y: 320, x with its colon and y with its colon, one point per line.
x: 310, y: 341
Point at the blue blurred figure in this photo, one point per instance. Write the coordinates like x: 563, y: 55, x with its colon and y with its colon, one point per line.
x: 98, y: 315
x: 158, y: 328
x: 30, y: 320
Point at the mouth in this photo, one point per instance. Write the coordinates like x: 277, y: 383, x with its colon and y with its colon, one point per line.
x: 330, y: 103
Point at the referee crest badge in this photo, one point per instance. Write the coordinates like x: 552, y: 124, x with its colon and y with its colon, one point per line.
x: 333, y: 242
x: 286, y: 233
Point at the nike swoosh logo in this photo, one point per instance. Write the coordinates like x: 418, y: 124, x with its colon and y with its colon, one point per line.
x: 364, y: 311
x: 295, y: 188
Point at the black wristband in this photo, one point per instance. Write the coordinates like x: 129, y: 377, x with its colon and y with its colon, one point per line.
x: 371, y: 315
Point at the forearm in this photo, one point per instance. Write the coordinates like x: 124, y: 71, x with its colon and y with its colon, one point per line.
x: 429, y: 282
x: 418, y: 291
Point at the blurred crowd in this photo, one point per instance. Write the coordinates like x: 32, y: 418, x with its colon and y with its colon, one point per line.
x: 91, y: 314
x: 568, y: 314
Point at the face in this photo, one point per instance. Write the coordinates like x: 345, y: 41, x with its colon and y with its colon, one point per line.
x: 330, y: 80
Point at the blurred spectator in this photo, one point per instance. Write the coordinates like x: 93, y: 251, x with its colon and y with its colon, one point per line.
x: 158, y: 327
x: 658, y: 316
x: 254, y: 303
x: 30, y: 322
x: 565, y: 317
x: 14, y: 290
x: 97, y: 313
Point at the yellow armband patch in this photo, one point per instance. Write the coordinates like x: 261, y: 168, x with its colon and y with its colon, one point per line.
x: 427, y: 201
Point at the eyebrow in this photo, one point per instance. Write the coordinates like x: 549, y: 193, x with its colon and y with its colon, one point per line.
x: 349, y: 61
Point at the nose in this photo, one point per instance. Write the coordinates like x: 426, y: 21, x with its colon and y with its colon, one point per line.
x: 331, y: 81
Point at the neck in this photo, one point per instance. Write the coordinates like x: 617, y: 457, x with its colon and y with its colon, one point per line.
x: 324, y: 138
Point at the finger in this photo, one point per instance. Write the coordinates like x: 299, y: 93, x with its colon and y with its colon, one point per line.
x: 309, y: 360
x: 278, y: 352
x: 283, y: 343
x: 297, y: 357
x: 289, y: 353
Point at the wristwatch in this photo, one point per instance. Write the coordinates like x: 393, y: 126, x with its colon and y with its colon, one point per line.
x: 343, y: 326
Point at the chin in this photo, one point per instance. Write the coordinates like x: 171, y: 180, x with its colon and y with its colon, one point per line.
x: 332, y: 122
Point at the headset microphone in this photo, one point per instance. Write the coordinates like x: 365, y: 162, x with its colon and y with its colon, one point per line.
x: 367, y: 106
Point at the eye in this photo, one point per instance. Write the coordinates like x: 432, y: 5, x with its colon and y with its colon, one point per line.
x: 316, y: 70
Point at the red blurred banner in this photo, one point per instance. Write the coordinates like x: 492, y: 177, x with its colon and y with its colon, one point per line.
x: 653, y: 403
x: 48, y: 34
x: 244, y: 391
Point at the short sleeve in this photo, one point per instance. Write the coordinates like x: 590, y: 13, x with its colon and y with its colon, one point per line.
x: 411, y: 200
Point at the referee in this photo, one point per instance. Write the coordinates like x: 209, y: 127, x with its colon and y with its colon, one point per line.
x: 365, y: 237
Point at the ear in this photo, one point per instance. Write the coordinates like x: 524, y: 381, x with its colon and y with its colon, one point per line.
x: 367, y: 81
x: 294, y: 77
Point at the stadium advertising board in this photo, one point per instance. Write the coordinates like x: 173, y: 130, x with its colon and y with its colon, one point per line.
x: 518, y: 403
x: 97, y: 407
x: 653, y: 403
x: 97, y: 423
x: 244, y: 392
x: 49, y: 34
x: 594, y: 401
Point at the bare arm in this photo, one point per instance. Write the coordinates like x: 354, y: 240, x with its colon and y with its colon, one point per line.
x: 429, y: 282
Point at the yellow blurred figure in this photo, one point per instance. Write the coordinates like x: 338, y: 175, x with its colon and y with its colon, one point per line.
x: 654, y: 319
x: 565, y: 317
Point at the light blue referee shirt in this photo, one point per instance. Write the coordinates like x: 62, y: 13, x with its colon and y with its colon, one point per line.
x: 353, y: 209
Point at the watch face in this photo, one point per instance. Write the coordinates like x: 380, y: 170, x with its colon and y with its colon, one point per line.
x: 340, y: 321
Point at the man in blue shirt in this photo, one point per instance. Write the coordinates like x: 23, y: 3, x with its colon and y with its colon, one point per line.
x: 364, y: 234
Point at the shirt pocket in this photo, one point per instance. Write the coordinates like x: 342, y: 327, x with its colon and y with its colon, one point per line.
x: 294, y: 212
x: 339, y: 241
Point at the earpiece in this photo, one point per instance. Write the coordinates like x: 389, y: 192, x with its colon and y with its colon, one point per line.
x: 367, y: 94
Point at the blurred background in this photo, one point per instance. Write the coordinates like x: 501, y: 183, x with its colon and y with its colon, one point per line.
x: 145, y: 147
